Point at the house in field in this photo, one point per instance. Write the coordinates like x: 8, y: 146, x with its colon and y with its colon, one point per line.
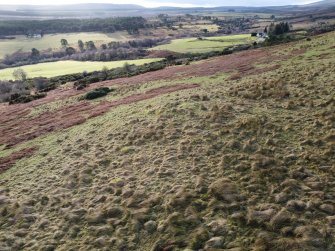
x: 34, y: 34
x: 262, y: 35
x: 259, y: 34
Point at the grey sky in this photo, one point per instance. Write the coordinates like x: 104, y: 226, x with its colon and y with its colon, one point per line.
x: 155, y: 3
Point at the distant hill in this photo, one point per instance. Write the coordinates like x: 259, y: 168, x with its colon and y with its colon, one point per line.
x: 81, y: 7
x: 98, y: 10
x: 322, y: 3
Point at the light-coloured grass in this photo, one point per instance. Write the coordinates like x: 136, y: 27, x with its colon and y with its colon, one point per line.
x: 53, y: 41
x: 196, y: 45
x: 236, y: 14
x: 199, y: 27
x: 68, y: 67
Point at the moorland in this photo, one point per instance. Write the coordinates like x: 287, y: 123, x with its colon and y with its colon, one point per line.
x: 219, y: 136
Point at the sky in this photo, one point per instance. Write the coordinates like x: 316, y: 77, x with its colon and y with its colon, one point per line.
x: 156, y: 3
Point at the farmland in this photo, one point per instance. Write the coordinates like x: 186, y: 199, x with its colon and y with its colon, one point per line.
x: 58, y: 68
x: 52, y: 41
x: 206, y: 44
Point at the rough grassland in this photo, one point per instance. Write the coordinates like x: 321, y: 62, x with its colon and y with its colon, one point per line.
x: 59, y: 68
x: 199, y: 27
x: 206, y: 44
x: 235, y: 153
x: 53, y: 41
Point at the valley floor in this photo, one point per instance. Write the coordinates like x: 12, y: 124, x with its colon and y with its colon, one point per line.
x: 232, y: 153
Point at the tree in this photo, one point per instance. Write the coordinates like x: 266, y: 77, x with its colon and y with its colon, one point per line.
x: 70, y: 50
x: 104, y: 68
x: 103, y: 47
x: 90, y: 46
x: 278, y: 29
x: 35, y: 53
x: 81, y: 45
x: 126, y: 67
x: 40, y: 83
x: 19, y: 74
x: 105, y: 71
x: 286, y: 27
x: 266, y: 29
x: 64, y: 43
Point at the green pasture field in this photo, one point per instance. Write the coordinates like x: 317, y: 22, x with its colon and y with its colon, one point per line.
x: 52, y: 41
x: 195, y: 45
x: 59, y: 68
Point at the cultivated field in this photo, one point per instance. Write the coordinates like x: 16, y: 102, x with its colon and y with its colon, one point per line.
x: 231, y: 153
x: 195, y: 45
x: 59, y: 68
x: 52, y: 41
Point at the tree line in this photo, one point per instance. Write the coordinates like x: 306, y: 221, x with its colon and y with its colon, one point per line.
x: 24, y: 27
x: 84, y: 51
x: 278, y: 29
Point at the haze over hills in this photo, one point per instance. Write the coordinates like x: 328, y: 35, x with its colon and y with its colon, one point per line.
x: 92, y: 10
x: 76, y: 7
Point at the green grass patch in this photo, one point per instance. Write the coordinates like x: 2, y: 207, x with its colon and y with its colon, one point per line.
x: 60, y: 68
x: 52, y: 41
x: 195, y: 45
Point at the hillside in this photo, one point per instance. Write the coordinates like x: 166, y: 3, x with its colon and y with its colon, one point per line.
x: 99, y: 10
x: 323, y: 3
x: 231, y: 153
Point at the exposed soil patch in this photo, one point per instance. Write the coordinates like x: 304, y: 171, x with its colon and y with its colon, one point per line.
x: 9, y: 161
x: 20, y: 129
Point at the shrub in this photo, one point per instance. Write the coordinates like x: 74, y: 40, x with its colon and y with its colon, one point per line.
x: 41, y: 84
x: 12, y: 87
x: 19, y: 74
x: 25, y: 98
x: 96, y: 93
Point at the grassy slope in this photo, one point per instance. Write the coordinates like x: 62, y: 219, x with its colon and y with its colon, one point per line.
x: 205, y: 45
x: 108, y: 182
x: 68, y: 67
x: 53, y: 41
